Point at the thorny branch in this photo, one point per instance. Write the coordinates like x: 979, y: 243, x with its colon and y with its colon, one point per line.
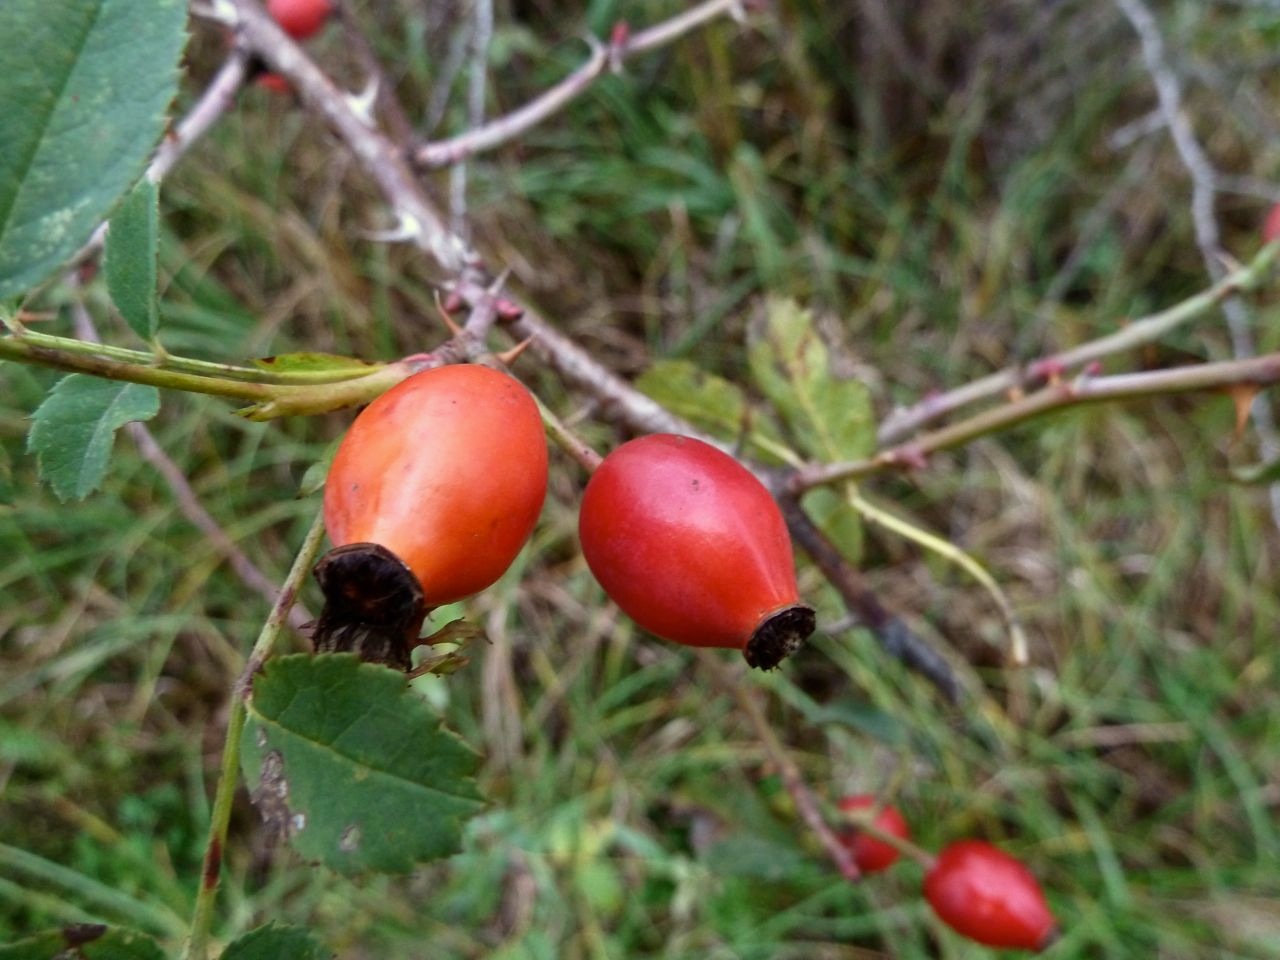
x: 622, y: 46
x: 895, y: 636
x: 1259, y: 372
x: 901, y: 424
x: 419, y: 217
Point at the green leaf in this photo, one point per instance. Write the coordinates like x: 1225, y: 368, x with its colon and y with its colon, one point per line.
x: 277, y: 942
x: 86, y: 87
x: 84, y: 941
x: 714, y: 405
x: 131, y: 251
x: 350, y: 764
x: 74, y: 429
x: 831, y: 418
x: 313, y: 363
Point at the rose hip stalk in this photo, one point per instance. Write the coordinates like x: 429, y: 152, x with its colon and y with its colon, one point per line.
x: 693, y: 548
x: 432, y: 493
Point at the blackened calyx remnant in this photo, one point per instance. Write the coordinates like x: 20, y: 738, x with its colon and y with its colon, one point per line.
x: 373, y: 605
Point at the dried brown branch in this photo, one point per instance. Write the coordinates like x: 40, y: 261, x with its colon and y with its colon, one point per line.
x: 621, y: 48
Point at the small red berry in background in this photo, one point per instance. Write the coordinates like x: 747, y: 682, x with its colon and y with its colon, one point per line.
x: 273, y: 82
x: 1271, y: 226
x: 989, y: 896
x: 300, y: 19
x: 693, y: 548
x: 872, y: 855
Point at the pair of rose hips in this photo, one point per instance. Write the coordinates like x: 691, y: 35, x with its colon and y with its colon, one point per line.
x: 975, y: 888
x: 439, y: 482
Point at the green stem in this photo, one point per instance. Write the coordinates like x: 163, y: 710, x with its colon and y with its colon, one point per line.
x: 566, y: 440
x: 268, y: 400
x: 198, y: 939
x: 23, y: 350
x: 208, y: 368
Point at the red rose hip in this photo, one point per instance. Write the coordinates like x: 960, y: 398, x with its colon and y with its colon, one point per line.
x: 872, y: 855
x: 693, y: 548
x: 300, y: 19
x: 432, y: 493
x: 989, y: 896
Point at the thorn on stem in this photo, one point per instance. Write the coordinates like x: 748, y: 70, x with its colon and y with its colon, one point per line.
x: 446, y: 314
x: 509, y: 357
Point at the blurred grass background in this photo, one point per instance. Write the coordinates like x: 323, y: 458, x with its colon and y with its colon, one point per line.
x: 952, y: 188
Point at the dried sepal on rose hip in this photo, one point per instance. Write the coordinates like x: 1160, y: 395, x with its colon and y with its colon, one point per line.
x: 432, y: 493
x: 985, y: 894
x: 694, y: 549
x: 869, y: 853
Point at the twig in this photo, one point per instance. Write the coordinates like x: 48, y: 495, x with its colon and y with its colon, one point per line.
x: 197, y: 947
x: 1254, y: 372
x: 579, y: 369
x: 801, y: 795
x: 902, y: 424
x: 504, y: 129
x: 1204, y: 191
